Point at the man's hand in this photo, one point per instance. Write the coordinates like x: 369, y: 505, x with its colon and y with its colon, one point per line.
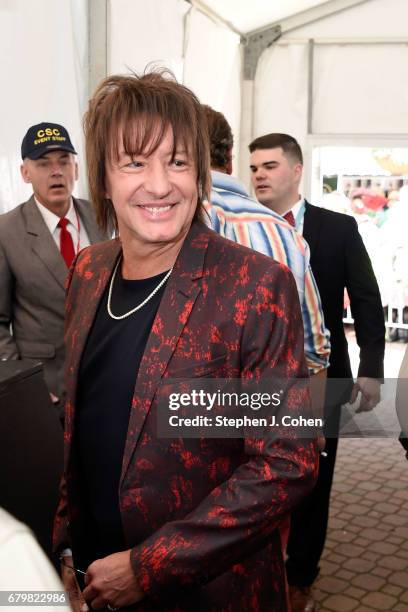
x: 71, y: 586
x: 111, y: 581
x: 370, y: 393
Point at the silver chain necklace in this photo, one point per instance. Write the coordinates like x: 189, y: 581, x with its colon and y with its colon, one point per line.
x: 139, y: 306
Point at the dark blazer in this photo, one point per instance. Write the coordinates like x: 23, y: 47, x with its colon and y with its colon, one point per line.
x: 401, y: 400
x: 339, y: 260
x: 32, y: 288
x: 201, y: 515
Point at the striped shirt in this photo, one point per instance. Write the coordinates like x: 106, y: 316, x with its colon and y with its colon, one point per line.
x: 236, y: 216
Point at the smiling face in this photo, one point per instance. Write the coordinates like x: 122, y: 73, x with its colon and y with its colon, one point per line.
x: 52, y: 177
x: 275, y: 178
x: 154, y: 195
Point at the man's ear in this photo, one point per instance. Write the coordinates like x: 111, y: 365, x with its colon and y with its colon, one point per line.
x: 76, y: 171
x: 25, y: 172
x: 299, y: 171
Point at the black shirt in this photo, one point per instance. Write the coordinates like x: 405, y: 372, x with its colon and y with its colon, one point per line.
x: 107, y: 378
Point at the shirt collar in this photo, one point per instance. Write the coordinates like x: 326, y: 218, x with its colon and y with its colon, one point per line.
x: 295, y: 208
x: 221, y: 180
x: 51, y: 219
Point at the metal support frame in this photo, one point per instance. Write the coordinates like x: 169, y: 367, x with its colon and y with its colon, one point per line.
x: 310, y: 15
x: 310, y: 87
x: 347, y: 41
x: 260, y: 39
x: 98, y: 42
x: 254, y: 46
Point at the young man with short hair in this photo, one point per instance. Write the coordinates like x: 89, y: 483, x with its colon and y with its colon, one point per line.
x: 339, y: 261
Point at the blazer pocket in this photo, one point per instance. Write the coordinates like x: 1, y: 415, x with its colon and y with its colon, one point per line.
x: 36, y: 350
x: 200, y: 369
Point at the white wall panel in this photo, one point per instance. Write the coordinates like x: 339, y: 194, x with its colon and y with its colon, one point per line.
x: 360, y: 89
x: 374, y: 18
x: 44, y: 71
x: 213, y: 67
x: 281, y: 85
x: 204, y: 55
x: 143, y: 32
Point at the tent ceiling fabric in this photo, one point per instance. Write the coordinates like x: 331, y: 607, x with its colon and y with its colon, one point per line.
x: 246, y: 16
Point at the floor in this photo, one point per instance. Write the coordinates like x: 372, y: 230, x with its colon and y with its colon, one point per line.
x: 365, y: 564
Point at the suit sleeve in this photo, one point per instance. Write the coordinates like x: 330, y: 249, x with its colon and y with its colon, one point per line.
x: 365, y: 303
x: 61, y: 537
x: 239, y: 516
x: 8, y: 347
x: 401, y: 399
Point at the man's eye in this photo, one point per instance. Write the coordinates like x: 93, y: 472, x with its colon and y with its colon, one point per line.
x: 134, y: 164
x: 179, y: 163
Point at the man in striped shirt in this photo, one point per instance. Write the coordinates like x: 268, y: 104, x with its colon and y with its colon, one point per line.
x: 236, y: 216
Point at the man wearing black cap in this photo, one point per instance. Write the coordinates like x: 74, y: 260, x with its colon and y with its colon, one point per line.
x: 38, y: 241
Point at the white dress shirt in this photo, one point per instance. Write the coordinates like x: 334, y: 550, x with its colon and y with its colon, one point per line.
x: 295, y: 212
x: 75, y: 227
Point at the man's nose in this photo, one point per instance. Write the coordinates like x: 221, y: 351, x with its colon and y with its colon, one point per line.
x: 56, y: 170
x: 259, y: 174
x: 157, y: 180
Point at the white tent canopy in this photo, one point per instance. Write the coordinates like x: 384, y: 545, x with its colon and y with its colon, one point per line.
x: 246, y: 17
x: 327, y: 72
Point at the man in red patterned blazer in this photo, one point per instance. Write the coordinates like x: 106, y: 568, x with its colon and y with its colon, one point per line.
x: 154, y: 523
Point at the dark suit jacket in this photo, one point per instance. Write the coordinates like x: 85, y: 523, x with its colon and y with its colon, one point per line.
x: 201, y: 515
x: 339, y: 260
x: 32, y: 288
x: 401, y: 400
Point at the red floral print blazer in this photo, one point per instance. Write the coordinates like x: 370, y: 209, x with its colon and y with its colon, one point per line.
x: 201, y: 516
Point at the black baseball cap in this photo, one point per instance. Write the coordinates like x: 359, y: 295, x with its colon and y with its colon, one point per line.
x: 43, y: 138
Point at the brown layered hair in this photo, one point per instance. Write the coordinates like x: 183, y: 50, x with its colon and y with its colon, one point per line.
x: 134, y: 112
x: 221, y: 138
x: 288, y: 144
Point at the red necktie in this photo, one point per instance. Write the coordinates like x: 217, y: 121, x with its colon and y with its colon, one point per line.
x: 66, y: 242
x: 290, y: 218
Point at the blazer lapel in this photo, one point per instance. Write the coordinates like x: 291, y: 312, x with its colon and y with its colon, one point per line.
x: 312, y: 226
x: 86, y: 215
x: 43, y: 244
x: 83, y: 313
x: 182, y: 289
